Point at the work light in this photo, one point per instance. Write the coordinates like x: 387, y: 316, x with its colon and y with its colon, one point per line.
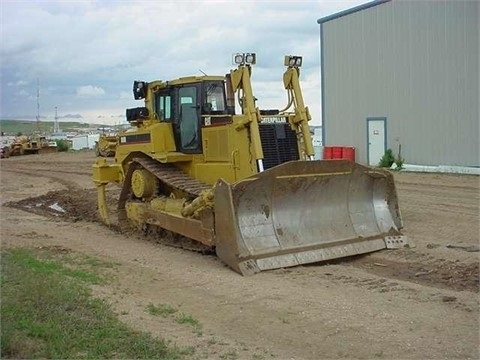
x: 293, y: 61
x: 250, y: 58
x: 244, y: 58
x: 238, y: 59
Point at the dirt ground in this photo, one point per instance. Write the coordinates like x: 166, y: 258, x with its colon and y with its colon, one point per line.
x: 414, y: 303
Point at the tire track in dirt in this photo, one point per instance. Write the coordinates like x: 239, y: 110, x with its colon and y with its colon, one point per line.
x: 76, y: 204
x: 35, y: 172
x: 440, y: 273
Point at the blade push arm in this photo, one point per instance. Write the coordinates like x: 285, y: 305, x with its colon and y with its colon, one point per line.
x: 291, y: 81
x: 241, y: 81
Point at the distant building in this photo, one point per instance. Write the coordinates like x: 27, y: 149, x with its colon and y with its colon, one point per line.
x: 86, y: 141
x: 59, y: 136
x: 403, y: 74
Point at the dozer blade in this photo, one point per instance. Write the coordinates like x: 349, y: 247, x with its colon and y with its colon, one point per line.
x: 303, y: 212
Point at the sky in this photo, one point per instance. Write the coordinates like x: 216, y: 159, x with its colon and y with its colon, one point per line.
x: 79, y: 58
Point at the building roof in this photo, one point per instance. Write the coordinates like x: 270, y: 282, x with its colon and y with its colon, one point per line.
x: 351, y: 11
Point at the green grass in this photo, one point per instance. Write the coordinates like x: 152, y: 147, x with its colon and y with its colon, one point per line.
x: 166, y: 310
x: 163, y: 310
x: 190, y: 320
x: 49, y: 267
x: 48, y: 312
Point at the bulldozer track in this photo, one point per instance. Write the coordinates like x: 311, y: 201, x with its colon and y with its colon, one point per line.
x: 165, y: 173
x: 172, y: 239
x: 173, y: 177
x: 176, y: 180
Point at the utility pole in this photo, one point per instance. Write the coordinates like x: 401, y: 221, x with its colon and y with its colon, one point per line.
x: 56, y: 128
x: 38, y: 104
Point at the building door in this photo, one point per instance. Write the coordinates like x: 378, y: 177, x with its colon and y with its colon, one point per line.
x: 376, y: 140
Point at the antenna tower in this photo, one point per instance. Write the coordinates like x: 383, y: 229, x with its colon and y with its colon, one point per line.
x: 56, y: 128
x: 38, y: 105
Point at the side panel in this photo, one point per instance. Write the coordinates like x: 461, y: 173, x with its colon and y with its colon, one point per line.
x: 226, y: 155
x: 156, y: 139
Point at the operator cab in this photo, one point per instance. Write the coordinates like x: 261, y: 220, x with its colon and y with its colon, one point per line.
x: 191, y: 106
x: 187, y: 103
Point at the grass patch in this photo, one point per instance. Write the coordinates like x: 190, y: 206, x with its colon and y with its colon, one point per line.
x: 48, y: 312
x: 42, y: 263
x: 162, y: 310
x: 167, y: 310
x: 189, y: 319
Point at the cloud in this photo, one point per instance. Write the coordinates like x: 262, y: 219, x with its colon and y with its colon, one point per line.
x: 85, y: 54
x: 22, y: 93
x: 90, y: 90
x: 71, y: 116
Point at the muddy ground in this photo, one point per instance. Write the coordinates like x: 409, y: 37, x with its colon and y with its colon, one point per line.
x: 414, y: 303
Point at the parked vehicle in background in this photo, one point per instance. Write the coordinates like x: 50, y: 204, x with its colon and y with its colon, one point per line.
x: 35, y: 144
x: 106, y: 145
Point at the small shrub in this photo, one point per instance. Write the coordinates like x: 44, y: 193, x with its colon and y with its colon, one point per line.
x: 62, y: 145
x: 399, y: 162
x: 391, y: 161
x: 387, y: 159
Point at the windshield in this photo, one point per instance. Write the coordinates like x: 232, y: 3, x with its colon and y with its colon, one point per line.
x: 214, y: 97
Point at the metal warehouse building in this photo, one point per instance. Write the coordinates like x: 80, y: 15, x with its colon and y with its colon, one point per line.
x: 403, y: 73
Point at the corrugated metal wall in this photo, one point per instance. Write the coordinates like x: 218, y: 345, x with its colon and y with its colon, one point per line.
x: 415, y: 63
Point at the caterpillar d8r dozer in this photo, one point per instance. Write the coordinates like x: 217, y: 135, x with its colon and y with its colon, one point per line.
x: 246, y: 184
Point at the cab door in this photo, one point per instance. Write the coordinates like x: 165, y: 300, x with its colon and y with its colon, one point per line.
x: 187, y: 123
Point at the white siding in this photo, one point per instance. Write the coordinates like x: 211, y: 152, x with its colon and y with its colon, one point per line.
x: 416, y: 63
x: 84, y: 141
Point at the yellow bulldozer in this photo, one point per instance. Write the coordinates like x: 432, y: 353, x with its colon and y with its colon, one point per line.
x: 244, y: 183
x: 106, y: 145
x: 34, y: 144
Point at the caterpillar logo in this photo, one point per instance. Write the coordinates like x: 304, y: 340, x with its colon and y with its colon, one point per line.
x: 273, y: 120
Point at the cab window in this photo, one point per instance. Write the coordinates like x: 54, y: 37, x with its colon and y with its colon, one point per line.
x: 214, y: 97
x: 163, y: 107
